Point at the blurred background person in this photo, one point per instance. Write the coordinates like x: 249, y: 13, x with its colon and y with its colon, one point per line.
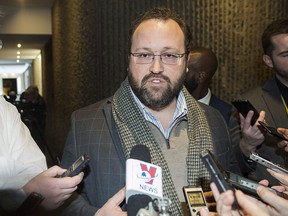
x: 11, y: 96
x: 202, y: 66
x: 36, y: 105
x: 33, y: 113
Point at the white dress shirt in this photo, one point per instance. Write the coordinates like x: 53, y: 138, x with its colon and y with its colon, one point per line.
x: 206, y: 99
x: 20, y: 157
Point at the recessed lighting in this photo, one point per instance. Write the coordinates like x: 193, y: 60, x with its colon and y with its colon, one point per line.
x: 18, y: 56
x: 18, y: 53
x: 19, y: 45
x: 17, y: 60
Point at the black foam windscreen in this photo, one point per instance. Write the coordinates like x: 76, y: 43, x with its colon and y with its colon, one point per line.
x: 140, y: 152
x: 136, y: 202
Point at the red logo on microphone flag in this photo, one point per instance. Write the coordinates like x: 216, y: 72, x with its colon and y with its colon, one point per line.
x: 148, y: 174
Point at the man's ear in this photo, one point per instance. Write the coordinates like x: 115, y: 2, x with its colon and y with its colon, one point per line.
x: 268, y: 61
x: 201, y: 76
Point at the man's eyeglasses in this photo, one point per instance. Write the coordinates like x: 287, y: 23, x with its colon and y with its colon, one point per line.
x: 166, y: 58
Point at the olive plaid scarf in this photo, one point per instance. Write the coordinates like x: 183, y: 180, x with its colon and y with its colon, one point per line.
x: 133, y: 129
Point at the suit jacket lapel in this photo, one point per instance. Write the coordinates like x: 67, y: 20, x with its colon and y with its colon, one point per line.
x: 114, y: 134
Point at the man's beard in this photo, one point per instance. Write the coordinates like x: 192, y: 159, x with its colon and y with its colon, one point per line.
x: 150, y: 97
x: 282, y: 73
x: 191, y: 84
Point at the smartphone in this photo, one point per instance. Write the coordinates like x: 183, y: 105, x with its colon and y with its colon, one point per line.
x: 273, y: 131
x: 77, y: 166
x: 257, y: 158
x: 195, y: 199
x: 218, y: 175
x: 249, y: 186
x: 244, y: 106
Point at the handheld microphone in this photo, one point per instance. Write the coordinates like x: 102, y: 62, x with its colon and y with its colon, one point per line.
x: 143, y: 180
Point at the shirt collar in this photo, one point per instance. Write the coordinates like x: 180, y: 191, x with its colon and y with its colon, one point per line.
x: 206, y: 99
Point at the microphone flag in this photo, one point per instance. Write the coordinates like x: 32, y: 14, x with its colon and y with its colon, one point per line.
x: 143, y: 178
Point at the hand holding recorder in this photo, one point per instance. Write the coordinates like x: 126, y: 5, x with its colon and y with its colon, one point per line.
x: 248, y: 205
x: 226, y: 196
x: 54, y: 190
x: 273, y: 131
x: 218, y: 175
x: 78, y: 166
x: 278, y: 205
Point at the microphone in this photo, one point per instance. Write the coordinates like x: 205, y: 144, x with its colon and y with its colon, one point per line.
x: 140, y: 152
x: 143, y: 180
x: 137, y: 202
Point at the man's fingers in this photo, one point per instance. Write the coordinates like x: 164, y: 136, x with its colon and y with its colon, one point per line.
x: 214, y: 190
x: 117, y: 198
x: 272, y: 199
x: 264, y: 182
x: 69, y: 182
x: 280, y: 176
x: 248, y: 205
x: 53, y: 171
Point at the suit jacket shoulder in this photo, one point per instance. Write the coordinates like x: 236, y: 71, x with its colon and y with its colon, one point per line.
x: 268, y: 98
x: 224, y: 108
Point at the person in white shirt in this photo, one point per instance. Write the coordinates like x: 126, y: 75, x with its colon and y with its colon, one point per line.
x: 23, y: 166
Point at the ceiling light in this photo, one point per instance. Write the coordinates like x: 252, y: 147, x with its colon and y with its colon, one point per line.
x: 17, y: 60
x: 1, y: 44
x: 18, y: 53
x: 19, y: 45
x: 18, y: 56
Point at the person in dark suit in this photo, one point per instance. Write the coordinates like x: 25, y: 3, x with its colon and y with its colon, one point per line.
x: 271, y: 97
x: 202, y: 66
x: 151, y: 108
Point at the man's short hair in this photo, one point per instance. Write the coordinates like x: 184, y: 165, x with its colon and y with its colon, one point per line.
x: 275, y: 28
x: 162, y: 14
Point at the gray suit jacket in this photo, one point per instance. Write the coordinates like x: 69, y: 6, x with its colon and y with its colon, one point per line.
x: 93, y: 132
x: 268, y: 98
